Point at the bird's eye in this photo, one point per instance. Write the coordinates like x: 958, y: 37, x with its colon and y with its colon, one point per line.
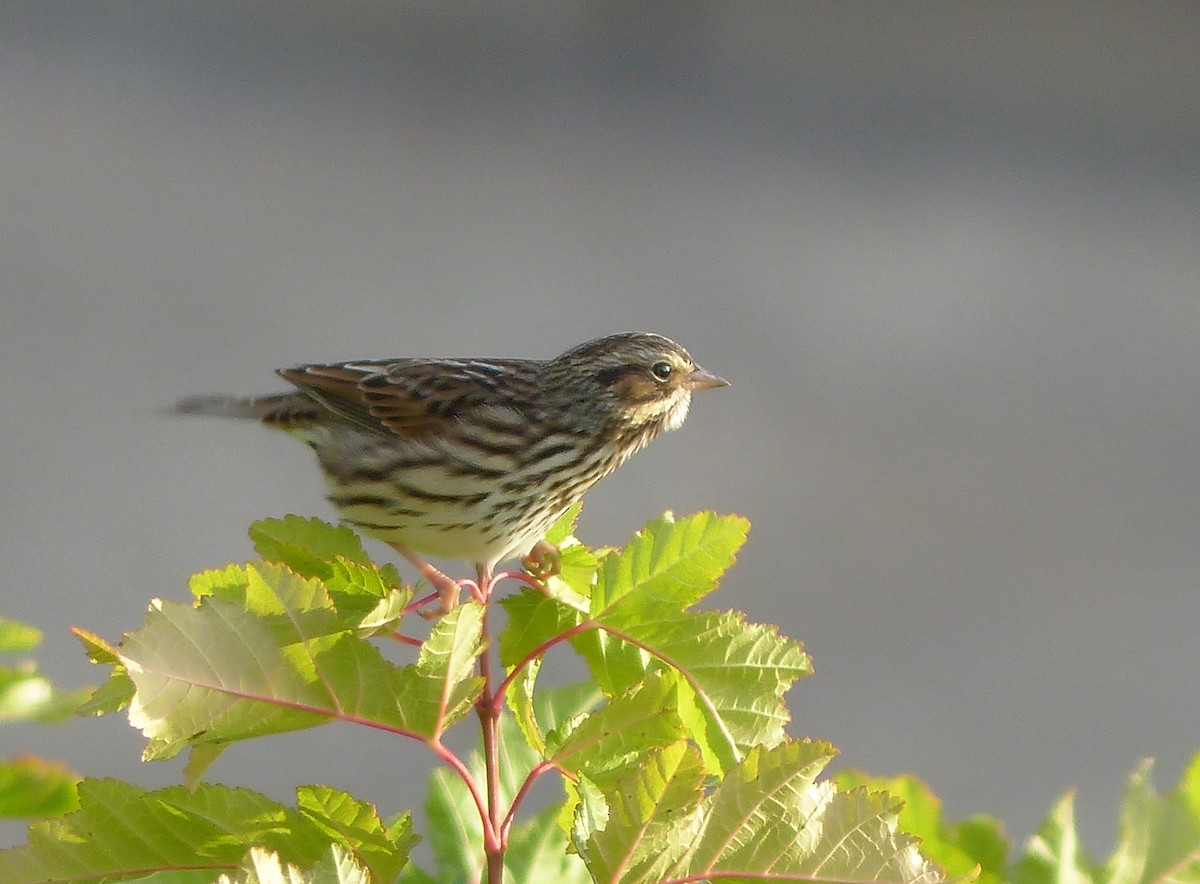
x: 662, y: 370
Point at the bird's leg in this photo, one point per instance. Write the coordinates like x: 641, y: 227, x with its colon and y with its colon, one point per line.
x: 448, y: 589
x: 543, y: 561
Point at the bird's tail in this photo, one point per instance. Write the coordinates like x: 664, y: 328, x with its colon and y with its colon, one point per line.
x: 285, y: 409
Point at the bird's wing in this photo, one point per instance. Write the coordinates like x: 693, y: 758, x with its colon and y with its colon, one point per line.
x: 413, y: 397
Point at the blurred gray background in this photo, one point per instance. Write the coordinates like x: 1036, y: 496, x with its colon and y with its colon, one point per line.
x: 948, y: 254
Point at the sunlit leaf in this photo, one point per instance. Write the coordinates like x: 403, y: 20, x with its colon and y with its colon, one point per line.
x: 652, y: 816
x: 121, y: 831
x: 767, y: 820
x: 282, y: 658
x: 957, y: 847
x: 307, y: 546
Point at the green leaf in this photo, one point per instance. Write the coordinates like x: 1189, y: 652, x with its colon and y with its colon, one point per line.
x: 1159, y: 835
x: 307, y: 546
x: 455, y: 829
x: 17, y: 637
x: 652, y: 816
x: 564, y: 525
x: 956, y: 847
x: 365, y: 596
x: 201, y: 756
x: 519, y: 699
x: 229, y: 583
x: 533, y: 620
x: 116, y: 693
x: 33, y: 787
x: 121, y: 831
x: 742, y: 828
x: 538, y: 850
x: 577, y: 569
x: 263, y: 866
x: 669, y: 563
x: 356, y: 827
x: 1054, y: 855
x: 767, y: 819
x: 281, y: 659
x: 734, y: 674
x: 610, y: 740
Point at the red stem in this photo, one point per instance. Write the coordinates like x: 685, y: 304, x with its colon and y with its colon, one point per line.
x: 502, y: 688
x: 494, y: 841
x: 525, y: 787
x: 457, y: 765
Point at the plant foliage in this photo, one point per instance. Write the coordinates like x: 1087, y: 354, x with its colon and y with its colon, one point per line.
x: 673, y: 758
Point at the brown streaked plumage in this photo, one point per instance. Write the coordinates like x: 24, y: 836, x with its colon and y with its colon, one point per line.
x: 475, y: 458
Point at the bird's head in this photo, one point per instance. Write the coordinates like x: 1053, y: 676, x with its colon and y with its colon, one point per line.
x: 639, y: 381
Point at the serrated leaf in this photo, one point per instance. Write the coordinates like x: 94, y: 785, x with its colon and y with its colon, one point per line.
x: 652, y: 816
x: 669, y: 563
x: 607, y: 742
x: 957, y: 847
x: 734, y: 673
x: 121, y: 831
x: 365, y: 596
x: 858, y: 841
x: 33, y: 787
x: 533, y: 620
x: 768, y: 819
x: 229, y: 583
x: 283, y: 659
x: 356, y: 827
x: 116, y: 693
x: 201, y: 756
x: 17, y: 637
x: 307, y: 546
x: 761, y: 807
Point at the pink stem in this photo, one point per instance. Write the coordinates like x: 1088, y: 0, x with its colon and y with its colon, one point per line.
x: 520, y: 796
x: 460, y: 768
x: 502, y: 688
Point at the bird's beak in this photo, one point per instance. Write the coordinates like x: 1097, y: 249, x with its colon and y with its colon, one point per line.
x: 700, y: 379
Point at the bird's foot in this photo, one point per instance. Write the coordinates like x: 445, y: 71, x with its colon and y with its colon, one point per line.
x: 543, y: 562
x: 447, y: 589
